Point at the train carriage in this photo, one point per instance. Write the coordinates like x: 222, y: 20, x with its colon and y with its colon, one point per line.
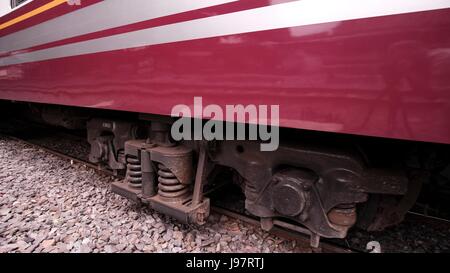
x: 360, y: 86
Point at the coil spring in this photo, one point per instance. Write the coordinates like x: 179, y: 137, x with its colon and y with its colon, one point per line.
x: 134, y: 172
x: 169, y: 186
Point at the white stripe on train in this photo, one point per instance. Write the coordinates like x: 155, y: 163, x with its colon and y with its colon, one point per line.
x: 100, y: 16
x: 291, y: 14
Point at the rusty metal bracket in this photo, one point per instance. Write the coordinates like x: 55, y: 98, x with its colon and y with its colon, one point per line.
x: 177, y: 159
x: 176, y: 162
x: 200, y: 176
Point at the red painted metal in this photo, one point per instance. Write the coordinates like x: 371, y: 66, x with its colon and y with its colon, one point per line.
x: 39, y: 18
x: 385, y: 76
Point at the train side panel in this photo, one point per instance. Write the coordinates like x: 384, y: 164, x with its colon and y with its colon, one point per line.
x: 382, y: 76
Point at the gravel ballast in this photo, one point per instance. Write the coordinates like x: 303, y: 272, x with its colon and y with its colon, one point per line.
x: 48, y: 204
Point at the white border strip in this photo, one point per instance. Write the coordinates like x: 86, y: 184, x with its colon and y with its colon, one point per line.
x: 298, y: 13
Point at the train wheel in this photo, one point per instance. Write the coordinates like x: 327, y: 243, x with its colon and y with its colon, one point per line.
x: 382, y: 211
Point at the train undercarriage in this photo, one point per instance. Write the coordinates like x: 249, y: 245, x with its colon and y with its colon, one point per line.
x: 321, y: 184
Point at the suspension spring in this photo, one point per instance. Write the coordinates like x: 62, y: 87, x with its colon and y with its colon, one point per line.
x: 169, y: 186
x: 134, y: 172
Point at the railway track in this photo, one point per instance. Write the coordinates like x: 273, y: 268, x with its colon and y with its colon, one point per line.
x: 281, y: 229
